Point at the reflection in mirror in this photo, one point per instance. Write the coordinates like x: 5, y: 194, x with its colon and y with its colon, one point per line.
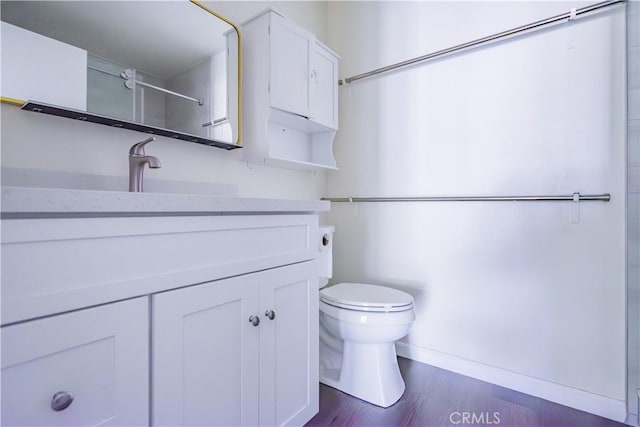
x: 165, y: 65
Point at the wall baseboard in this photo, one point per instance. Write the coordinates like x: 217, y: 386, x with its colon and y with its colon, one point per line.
x: 578, y: 399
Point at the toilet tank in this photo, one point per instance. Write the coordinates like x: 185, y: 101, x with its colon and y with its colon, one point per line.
x: 325, y: 258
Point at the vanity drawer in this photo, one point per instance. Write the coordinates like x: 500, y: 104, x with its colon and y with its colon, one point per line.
x: 97, y: 359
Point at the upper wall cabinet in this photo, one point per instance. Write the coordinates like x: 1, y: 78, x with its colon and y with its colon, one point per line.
x: 290, y: 85
x: 164, y: 67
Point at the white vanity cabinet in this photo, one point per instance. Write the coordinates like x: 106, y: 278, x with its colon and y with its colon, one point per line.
x: 145, y: 317
x: 88, y: 367
x: 238, y: 352
x: 290, y: 94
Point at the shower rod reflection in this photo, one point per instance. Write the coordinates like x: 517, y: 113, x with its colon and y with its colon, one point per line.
x: 130, y: 81
x: 569, y: 16
x: 575, y: 197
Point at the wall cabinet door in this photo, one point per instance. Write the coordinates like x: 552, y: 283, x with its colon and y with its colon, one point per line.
x: 289, y: 345
x: 97, y: 359
x: 291, y: 47
x: 323, y: 86
x: 205, y: 354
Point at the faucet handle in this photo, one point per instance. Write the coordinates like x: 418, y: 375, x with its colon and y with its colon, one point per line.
x: 138, y: 148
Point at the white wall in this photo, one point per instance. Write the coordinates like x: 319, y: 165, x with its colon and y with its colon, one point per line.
x: 51, y: 144
x: 510, y: 290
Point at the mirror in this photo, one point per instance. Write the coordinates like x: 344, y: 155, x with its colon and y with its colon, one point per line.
x: 164, y: 67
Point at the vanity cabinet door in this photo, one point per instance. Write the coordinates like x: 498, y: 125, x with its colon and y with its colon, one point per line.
x: 205, y: 354
x: 289, y: 389
x: 89, y: 367
x: 238, y: 352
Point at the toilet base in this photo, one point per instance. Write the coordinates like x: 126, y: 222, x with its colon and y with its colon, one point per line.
x: 369, y: 372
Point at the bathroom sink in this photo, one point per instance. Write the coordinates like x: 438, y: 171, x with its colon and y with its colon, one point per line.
x: 56, y: 179
x: 22, y: 202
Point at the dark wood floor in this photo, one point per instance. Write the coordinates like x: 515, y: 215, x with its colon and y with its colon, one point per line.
x: 435, y: 397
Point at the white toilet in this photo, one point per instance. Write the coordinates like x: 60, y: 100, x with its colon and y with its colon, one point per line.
x: 359, y: 324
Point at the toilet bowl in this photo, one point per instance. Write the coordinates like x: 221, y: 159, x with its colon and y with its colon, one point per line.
x: 359, y: 324
x: 357, y: 340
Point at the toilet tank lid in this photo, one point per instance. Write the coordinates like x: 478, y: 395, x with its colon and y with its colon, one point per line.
x: 365, y: 295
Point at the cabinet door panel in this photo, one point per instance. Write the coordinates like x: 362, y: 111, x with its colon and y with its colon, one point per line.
x: 99, y: 355
x: 290, y: 49
x: 205, y: 366
x: 323, y: 87
x: 289, y: 345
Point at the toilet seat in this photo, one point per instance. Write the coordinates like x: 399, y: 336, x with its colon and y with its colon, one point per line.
x: 364, y: 297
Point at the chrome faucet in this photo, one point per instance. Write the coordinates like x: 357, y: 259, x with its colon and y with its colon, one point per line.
x: 137, y: 160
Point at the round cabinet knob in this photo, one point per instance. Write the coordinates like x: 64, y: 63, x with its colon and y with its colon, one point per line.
x: 325, y: 240
x: 254, y: 320
x: 270, y: 314
x: 61, y: 401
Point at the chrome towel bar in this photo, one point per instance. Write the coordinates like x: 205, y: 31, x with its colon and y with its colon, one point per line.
x: 569, y: 16
x: 575, y: 197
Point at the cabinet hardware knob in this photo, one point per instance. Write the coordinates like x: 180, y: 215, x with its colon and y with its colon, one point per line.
x: 270, y: 314
x: 325, y: 240
x: 254, y: 320
x: 61, y: 401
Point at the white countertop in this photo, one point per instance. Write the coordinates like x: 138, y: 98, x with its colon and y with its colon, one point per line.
x: 26, y: 201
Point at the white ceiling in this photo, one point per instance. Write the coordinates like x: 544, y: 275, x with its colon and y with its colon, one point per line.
x: 162, y: 38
